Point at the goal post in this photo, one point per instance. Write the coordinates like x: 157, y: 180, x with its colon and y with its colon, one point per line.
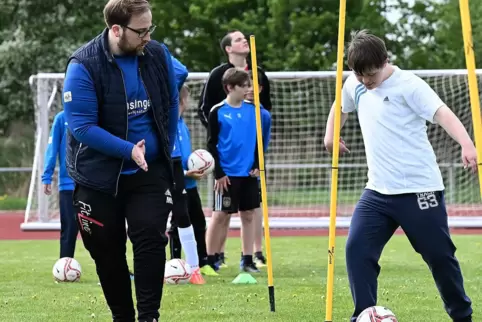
x: 298, y: 168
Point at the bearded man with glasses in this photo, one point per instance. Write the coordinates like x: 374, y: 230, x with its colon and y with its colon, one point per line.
x: 121, y: 105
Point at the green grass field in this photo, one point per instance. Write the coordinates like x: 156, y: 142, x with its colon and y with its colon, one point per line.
x: 28, y: 293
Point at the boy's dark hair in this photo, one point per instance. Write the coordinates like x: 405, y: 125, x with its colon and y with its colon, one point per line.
x: 227, y: 40
x: 366, y: 52
x: 120, y: 12
x: 260, y: 80
x: 234, y: 77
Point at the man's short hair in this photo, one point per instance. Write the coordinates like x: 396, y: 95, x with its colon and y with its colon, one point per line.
x: 227, y: 40
x: 120, y: 12
x: 234, y: 77
x: 366, y: 52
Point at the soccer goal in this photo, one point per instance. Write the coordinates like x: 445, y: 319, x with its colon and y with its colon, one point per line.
x: 298, y: 168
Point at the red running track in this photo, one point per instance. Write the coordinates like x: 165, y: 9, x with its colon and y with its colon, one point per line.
x: 459, y: 210
x: 10, y: 223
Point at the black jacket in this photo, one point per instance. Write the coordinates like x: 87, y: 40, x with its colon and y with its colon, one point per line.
x: 213, y: 92
x: 92, y: 168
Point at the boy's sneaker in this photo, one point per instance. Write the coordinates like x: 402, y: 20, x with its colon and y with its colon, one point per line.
x: 208, y: 270
x: 222, y: 261
x: 212, y: 261
x: 250, y: 268
x: 223, y: 265
x: 260, y: 261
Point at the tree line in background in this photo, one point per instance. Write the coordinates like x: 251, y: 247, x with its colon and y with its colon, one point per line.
x: 38, y: 36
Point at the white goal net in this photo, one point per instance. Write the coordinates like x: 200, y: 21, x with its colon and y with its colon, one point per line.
x: 298, y: 168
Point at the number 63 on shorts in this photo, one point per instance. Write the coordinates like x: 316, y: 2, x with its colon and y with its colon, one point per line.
x: 428, y: 200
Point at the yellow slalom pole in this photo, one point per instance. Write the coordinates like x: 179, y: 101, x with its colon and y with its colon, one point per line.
x: 473, y: 88
x: 264, y: 195
x: 334, y: 167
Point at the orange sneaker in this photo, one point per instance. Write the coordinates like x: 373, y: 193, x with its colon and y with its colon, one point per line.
x: 197, y: 278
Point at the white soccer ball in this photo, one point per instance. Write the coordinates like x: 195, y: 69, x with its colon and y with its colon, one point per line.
x: 376, y: 313
x: 67, y: 269
x: 177, y: 272
x: 201, y: 160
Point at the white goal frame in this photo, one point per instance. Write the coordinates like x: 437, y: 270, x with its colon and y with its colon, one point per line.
x: 45, y: 97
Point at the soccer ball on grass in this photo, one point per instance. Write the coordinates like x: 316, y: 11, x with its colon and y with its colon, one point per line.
x: 177, y: 272
x: 376, y: 314
x: 67, y: 269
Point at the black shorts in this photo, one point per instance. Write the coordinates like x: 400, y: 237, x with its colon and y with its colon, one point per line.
x: 242, y: 195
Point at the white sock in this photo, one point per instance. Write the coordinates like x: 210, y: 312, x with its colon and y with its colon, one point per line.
x: 189, y: 246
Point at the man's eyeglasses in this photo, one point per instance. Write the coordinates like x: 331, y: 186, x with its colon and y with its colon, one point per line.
x: 142, y: 32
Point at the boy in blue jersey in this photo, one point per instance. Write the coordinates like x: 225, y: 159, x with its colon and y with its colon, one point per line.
x: 121, y: 104
x: 259, y: 258
x: 56, y: 149
x: 232, y: 143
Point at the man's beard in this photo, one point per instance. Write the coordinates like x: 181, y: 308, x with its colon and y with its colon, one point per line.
x: 130, y: 50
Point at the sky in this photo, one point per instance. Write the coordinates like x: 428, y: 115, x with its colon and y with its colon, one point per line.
x: 395, y: 15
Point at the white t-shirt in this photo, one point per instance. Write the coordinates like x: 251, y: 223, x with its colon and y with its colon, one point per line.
x: 393, y: 123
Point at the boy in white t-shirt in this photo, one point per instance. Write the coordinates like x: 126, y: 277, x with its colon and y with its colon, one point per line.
x: 405, y: 187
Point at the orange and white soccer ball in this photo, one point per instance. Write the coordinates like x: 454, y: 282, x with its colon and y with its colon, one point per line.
x: 67, y: 269
x: 177, y: 272
x: 376, y: 314
x: 201, y: 160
